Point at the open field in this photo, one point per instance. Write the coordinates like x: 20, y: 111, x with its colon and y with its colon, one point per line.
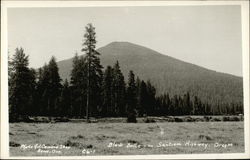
x: 62, y: 139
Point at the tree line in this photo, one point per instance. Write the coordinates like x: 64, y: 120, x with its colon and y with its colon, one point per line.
x: 95, y: 91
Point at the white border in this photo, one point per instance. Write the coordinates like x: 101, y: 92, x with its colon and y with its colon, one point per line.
x: 4, y: 74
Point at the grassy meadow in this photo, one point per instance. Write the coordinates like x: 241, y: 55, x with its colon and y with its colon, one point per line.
x: 80, y: 138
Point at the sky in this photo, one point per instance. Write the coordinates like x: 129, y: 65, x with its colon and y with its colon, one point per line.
x: 208, y: 36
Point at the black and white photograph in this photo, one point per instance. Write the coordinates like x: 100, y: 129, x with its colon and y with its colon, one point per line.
x: 125, y: 79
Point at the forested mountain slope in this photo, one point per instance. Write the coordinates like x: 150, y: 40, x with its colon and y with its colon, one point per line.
x: 168, y: 74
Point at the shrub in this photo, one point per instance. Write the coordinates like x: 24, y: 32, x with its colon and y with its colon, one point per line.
x: 72, y: 144
x: 234, y: 118
x: 77, y: 137
x: 149, y: 120
x: 205, y: 137
x: 225, y: 118
x: 207, y: 118
x: 89, y: 146
x: 216, y: 119
x: 199, y: 120
x: 14, y: 144
x: 170, y: 119
x: 61, y: 119
x: 41, y: 119
x: 132, y: 141
x: 131, y: 118
x: 19, y: 118
x: 188, y: 119
x: 208, y: 138
x: 178, y: 119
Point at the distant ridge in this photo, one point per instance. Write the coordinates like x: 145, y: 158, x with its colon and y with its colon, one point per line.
x: 167, y: 73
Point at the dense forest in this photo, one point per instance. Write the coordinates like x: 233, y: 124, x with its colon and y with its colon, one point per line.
x: 95, y: 91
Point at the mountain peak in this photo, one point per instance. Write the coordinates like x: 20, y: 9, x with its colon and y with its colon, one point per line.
x: 127, y: 48
x: 120, y: 43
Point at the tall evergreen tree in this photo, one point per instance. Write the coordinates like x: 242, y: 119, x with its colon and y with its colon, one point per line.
x: 119, y: 88
x: 33, y: 110
x: 107, y: 105
x: 65, y: 100
x: 196, y: 106
x: 187, y: 104
x: 167, y: 101
x: 94, y: 71
x: 131, y: 98
x: 143, y: 98
x: 151, y: 91
x: 20, y: 89
x: 43, y: 88
x: 207, y: 109
x: 180, y: 107
x: 78, y: 87
x: 138, y: 104
x: 175, y: 103
x: 48, y: 89
x: 10, y: 69
x: 54, y: 86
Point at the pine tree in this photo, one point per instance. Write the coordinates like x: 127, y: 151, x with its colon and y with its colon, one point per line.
x: 42, y: 96
x: 65, y: 100
x: 33, y: 110
x: 78, y: 87
x: 94, y: 71
x: 187, y: 104
x: 207, y: 109
x: 48, y: 89
x: 119, y: 88
x: 21, y: 84
x: 151, y: 91
x: 107, y: 92
x: 143, y: 98
x: 131, y: 98
x: 138, y: 104
x: 196, y: 106
x: 54, y: 86
x: 175, y: 105
x: 168, y: 103
x: 179, y: 109
x: 10, y: 70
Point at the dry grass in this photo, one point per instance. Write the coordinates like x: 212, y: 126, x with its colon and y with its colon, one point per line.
x: 95, y: 137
